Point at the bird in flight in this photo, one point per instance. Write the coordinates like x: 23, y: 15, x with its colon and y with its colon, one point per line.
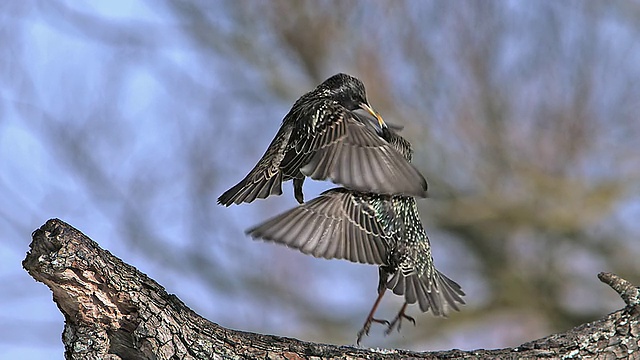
x: 370, y: 228
x: 323, y: 137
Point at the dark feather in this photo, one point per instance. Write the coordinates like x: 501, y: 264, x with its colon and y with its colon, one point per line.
x: 333, y: 225
x: 370, y: 228
x: 321, y: 137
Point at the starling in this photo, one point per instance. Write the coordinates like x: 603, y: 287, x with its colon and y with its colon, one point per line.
x: 323, y: 137
x: 371, y: 228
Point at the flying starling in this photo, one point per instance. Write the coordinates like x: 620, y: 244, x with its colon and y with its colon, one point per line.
x: 322, y: 137
x: 375, y: 229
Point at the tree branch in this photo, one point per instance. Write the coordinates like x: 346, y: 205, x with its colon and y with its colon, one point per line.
x: 113, y: 311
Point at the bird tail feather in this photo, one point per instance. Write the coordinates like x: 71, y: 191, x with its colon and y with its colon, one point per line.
x: 436, y: 292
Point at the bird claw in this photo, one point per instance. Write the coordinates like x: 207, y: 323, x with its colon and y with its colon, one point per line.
x: 380, y: 321
x: 361, y: 333
x: 367, y: 326
x: 397, y: 321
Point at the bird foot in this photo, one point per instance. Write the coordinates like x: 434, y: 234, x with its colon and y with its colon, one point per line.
x: 367, y: 326
x: 297, y: 190
x: 397, y: 321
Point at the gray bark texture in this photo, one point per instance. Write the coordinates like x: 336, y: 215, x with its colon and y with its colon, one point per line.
x: 113, y: 311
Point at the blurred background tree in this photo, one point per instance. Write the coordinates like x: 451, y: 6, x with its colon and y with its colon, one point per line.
x: 128, y: 119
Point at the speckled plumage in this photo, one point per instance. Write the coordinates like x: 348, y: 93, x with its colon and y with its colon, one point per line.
x: 322, y: 137
x: 374, y: 229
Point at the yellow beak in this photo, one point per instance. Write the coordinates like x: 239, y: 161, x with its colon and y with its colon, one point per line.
x: 374, y: 113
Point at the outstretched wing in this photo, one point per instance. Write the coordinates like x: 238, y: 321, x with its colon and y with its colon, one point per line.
x: 265, y: 178
x: 347, y: 151
x: 330, y: 143
x: 337, y: 224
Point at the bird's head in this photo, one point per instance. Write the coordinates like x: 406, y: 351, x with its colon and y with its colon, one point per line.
x: 349, y: 92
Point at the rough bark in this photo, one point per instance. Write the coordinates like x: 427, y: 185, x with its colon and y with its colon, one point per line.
x: 113, y: 311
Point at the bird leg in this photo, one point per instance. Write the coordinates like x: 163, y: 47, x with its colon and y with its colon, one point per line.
x: 371, y: 319
x: 397, y: 321
x: 297, y: 189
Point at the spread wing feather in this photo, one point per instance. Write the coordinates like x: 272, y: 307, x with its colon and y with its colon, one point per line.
x: 350, y: 153
x: 265, y: 178
x: 329, y: 143
x: 336, y: 224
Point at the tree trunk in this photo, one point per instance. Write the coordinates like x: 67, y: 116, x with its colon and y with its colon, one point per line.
x: 113, y: 311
